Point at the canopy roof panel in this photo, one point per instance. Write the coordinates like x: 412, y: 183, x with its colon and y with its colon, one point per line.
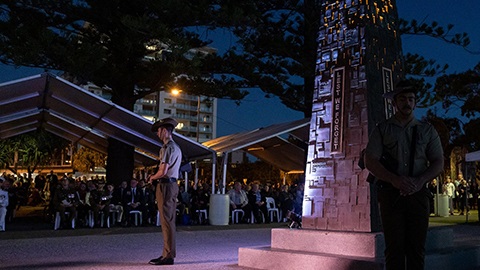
x: 68, y: 111
x: 473, y: 156
x: 270, y: 144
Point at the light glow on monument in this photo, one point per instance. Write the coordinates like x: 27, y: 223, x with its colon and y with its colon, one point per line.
x: 358, y: 58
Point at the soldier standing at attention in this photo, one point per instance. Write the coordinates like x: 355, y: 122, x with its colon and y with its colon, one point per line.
x: 404, y: 154
x: 167, y: 187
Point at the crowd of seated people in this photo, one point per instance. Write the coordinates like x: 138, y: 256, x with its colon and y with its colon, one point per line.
x: 251, y: 199
x: 90, y: 200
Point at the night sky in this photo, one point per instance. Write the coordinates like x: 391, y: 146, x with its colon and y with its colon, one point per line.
x: 257, y: 111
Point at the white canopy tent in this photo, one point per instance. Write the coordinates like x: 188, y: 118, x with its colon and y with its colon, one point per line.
x: 474, y: 156
x: 69, y: 111
x: 282, y: 145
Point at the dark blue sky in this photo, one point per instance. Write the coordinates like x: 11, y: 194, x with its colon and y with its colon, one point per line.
x: 257, y: 111
x: 463, y: 14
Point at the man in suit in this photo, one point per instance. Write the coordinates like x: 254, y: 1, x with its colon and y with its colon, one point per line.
x: 117, y: 200
x: 132, y: 200
x: 148, y: 203
x: 258, y: 203
x: 100, y: 201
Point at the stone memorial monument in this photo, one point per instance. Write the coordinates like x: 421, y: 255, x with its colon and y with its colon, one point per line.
x: 359, y: 58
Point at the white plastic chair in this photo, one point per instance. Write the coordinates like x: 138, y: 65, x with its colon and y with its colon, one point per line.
x: 138, y: 216
x: 202, y: 215
x: 58, y: 219
x: 272, y: 208
x: 102, y: 217
x: 114, y: 215
x: 90, y: 219
x: 235, y: 215
x: 252, y: 217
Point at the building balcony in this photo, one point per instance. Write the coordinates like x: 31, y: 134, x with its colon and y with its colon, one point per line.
x: 146, y: 113
x: 194, y: 129
x: 193, y: 118
x: 203, y: 108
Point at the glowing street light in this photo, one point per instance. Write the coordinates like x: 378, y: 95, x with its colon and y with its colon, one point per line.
x: 176, y: 92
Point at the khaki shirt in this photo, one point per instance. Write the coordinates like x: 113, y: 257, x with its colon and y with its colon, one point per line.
x: 390, y: 137
x: 171, y: 154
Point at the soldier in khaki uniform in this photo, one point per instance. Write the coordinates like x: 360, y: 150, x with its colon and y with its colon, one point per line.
x: 167, y: 187
x: 404, y: 154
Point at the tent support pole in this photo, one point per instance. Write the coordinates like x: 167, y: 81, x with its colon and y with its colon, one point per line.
x: 214, y: 170
x: 225, y: 161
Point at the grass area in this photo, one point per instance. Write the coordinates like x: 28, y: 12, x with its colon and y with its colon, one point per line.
x: 472, y: 218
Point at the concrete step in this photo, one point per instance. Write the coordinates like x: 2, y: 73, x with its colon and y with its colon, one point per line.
x: 315, y: 249
x: 279, y: 259
x: 458, y: 258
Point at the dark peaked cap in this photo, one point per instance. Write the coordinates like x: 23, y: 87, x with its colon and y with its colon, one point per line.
x: 404, y: 86
x: 164, y: 122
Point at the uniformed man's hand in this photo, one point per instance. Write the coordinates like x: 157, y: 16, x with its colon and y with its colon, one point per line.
x: 405, y: 184
x: 409, y: 186
x: 417, y: 185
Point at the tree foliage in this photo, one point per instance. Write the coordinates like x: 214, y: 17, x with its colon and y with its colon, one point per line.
x: 86, y: 160
x: 31, y: 150
x: 133, y: 47
x: 277, y: 47
x: 253, y: 171
x: 457, y: 93
x: 136, y: 47
x: 460, y: 93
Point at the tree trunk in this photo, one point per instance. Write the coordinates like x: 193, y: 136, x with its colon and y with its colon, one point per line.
x: 120, y: 162
x: 311, y: 17
x: 120, y: 159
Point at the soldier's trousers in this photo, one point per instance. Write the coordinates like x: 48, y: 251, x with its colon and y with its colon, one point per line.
x: 166, y: 195
x: 405, y: 226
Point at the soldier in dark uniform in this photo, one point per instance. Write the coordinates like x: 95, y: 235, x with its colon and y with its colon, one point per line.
x: 65, y: 199
x: 100, y: 201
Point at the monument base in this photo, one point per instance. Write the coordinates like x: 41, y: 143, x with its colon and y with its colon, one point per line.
x: 313, y: 249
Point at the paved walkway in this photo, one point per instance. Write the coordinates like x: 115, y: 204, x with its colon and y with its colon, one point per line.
x: 30, y: 243
x: 213, y: 249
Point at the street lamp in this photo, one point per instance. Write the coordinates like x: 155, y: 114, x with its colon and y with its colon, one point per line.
x: 176, y: 92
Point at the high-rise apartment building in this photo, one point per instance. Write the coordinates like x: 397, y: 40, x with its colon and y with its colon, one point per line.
x: 196, y: 115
